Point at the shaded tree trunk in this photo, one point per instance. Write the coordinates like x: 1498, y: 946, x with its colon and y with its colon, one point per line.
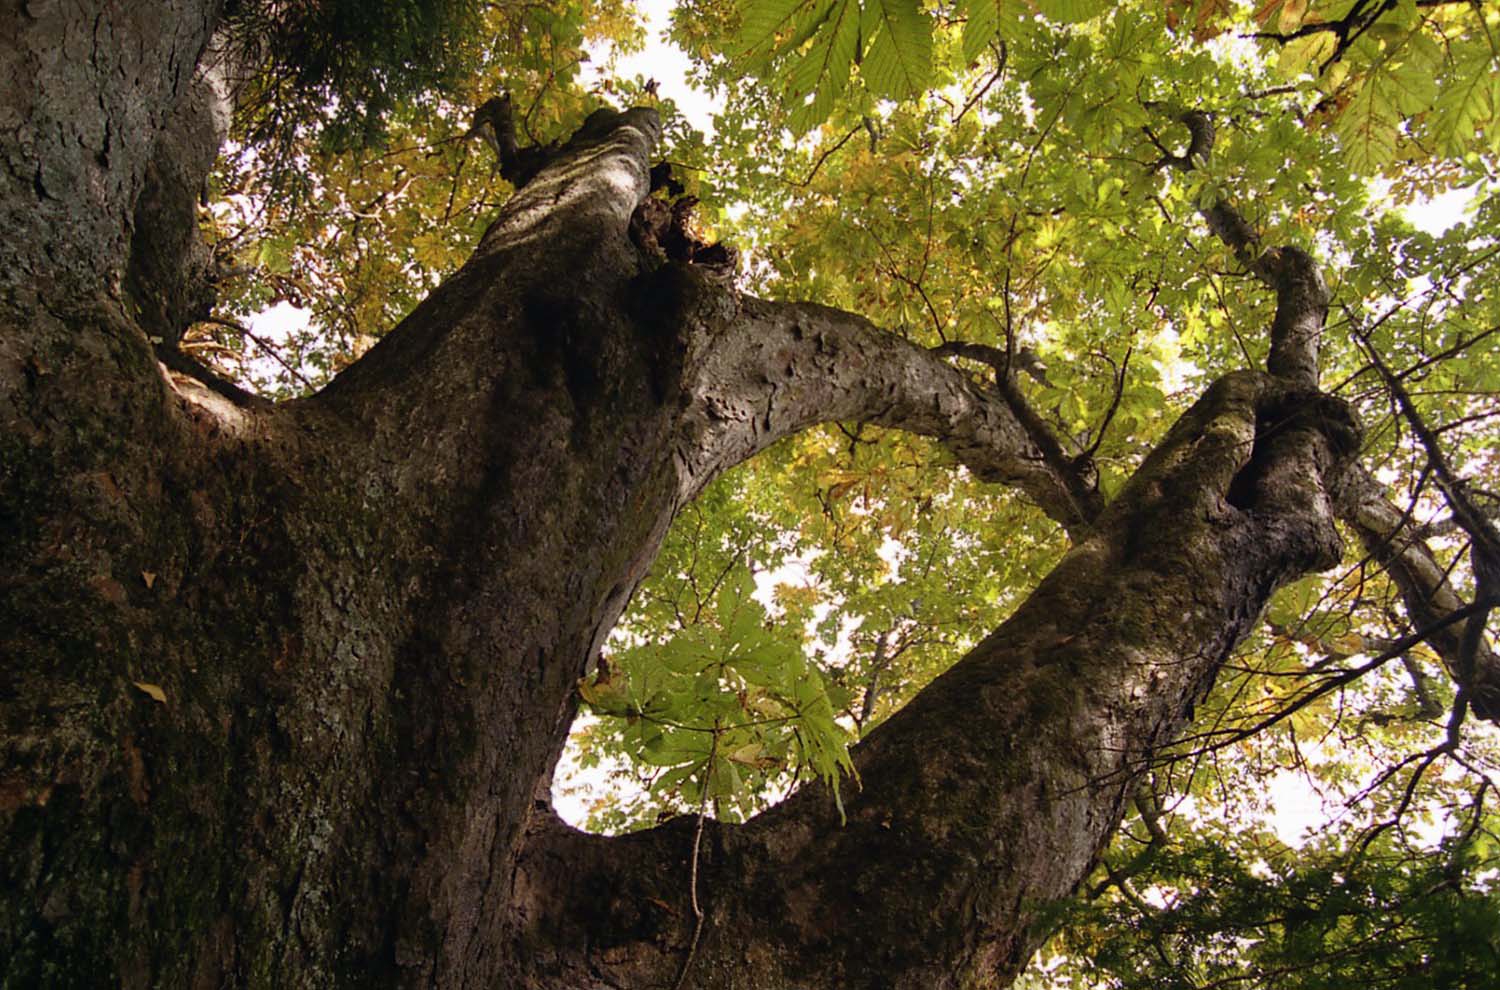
x: 366, y: 611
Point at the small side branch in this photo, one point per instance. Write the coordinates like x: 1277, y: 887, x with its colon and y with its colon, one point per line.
x: 494, y: 122
x: 1227, y: 737
x: 1074, y: 470
x: 1484, y: 539
x: 1390, y: 537
x: 1301, y: 294
x: 1348, y: 29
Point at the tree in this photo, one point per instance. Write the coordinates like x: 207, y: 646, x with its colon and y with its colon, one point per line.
x: 285, y: 682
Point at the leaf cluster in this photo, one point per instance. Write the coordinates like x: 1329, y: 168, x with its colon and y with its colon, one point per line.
x: 724, y: 708
x: 337, y: 68
x: 1223, y: 908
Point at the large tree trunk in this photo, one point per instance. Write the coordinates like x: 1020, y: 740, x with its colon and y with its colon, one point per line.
x: 366, y: 611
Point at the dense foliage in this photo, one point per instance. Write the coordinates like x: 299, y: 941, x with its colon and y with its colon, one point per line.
x: 1005, y: 173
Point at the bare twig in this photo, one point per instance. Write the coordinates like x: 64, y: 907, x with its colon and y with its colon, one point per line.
x: 1114, y: 404
x: 687, y: 962
x: 1341, y: 678
x: 269, y: 348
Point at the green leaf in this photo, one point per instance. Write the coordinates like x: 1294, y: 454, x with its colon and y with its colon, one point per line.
x: 1305, y: 54
x: 822, y: 73
x: 1369, y: 127
x: 735, y: 592
x: 762, y: 21
x: 898, y: 64
x: 987, y: 19
x: 981, y: 24
x: 1468, y: 102
x: 1073, y: 11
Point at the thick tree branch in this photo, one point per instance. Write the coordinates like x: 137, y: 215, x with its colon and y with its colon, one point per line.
x: 1301, y: 308
x: 1043, y: 730
x: 1389, y: 537
x: 778, y: 368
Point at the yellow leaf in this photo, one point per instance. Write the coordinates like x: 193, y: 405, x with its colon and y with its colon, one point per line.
x: 149, y: 577
x: 608, y: 696
x: 154, y: 690
x: 1350, y: 643
x: 1266, y: 11
x: 748, y: 754
x: 1306, y: 53
x: 1291, y: 15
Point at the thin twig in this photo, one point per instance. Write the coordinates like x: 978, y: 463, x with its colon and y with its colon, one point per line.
x: 687, y: 962
x: 1114, y: 405
x: 823, y: 157
x: 270, y: 349
x: 1338, y: 680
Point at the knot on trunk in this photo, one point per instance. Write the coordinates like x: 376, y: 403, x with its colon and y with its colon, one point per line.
x: 666, y: 231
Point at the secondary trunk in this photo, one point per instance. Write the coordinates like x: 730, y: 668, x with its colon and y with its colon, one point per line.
x: 284, y: 685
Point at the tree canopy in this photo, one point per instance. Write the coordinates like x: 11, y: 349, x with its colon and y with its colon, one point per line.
x: 1030, y: 187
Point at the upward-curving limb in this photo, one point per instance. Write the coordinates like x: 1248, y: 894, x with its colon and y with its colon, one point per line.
x: 936, y: 877
x: 1388, y: 534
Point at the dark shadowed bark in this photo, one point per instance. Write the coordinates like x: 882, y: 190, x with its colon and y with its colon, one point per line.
x: 283, y: 686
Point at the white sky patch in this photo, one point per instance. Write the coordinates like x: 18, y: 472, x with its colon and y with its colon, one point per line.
x: 660, y: 60
x: 578, y: 792
x: 274, y: 326
x: 1436, y: 215
x: 279, y: 322
x: 1296, y: 809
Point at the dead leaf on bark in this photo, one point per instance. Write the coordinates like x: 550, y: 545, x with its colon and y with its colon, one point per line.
x: 154, y: 690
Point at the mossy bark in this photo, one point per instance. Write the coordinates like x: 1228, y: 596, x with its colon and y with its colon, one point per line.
x: 283, y: 685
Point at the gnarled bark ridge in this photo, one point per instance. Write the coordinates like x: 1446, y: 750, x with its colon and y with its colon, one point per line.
x: 284, y: 685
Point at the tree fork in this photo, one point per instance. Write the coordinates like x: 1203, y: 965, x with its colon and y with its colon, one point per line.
x: 367, y: 611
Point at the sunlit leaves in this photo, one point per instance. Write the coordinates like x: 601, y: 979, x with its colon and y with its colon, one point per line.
x: 1073, y: 11
x: 820, y: 74
x: 986, y: 20
x: 763, y: 25
x: 1470, y: 104
x: 725, y: 706
x: 899, y: 60
x: 1374, y: 72
x: 1232, y: 907
x: 809, y: 48
x: 1369, y: 125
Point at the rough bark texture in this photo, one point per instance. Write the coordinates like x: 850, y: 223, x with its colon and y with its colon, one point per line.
x: 366, y: 611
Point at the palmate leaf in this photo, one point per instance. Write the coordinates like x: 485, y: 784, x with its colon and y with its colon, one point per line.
x: 764, y: 22
x: 821, y: 74
x: 898, y: 64
x: 987, y: 19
